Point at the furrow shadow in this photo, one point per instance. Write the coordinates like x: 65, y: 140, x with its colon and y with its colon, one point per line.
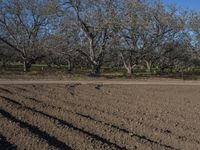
x: 69, y: 125
x: 140, y: 137
x: 35, y: 130
x: 5, y: 90
x: 10, y: 100
x: 21, y: 89
x: 92, y: 135
x: 33, y: 99
x: 6, y: 145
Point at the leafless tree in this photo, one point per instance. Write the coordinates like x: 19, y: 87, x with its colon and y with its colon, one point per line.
x: 98, y: 33
x: 145, y: 29
x: 24, y: 27
x: 93, y: 20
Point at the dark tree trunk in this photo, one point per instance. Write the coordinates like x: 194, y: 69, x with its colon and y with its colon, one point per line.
x: 96, y: 70
x: 70, y: 66
x: 27, y: 66
x: 4, y: 64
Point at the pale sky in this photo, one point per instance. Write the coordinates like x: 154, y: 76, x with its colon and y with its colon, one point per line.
x: 191, y: 4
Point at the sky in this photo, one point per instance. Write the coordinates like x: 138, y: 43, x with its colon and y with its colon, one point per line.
x: 191, y: 4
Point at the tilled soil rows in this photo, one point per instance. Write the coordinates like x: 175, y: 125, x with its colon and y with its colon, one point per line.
x: 76, y: 116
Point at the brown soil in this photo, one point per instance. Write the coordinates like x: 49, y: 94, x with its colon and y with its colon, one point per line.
x: 99, y: 116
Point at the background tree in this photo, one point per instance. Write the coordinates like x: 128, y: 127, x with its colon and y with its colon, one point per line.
x: 93, y: 21
x: 92, y: 33
x: 24, y: 27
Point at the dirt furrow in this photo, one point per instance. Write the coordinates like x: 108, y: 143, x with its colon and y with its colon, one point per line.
x: 109, y: 116
x: 59, y: 124
x: 35, y: 130
x: 118, y: 109
x: 3, y: 89
x: 19, y: 136
x: 133, y: 118
x: 165, y: 132
x: 112, y: 105
x: 126, y: 105
x: 4, y: 144
x: 104, y: 126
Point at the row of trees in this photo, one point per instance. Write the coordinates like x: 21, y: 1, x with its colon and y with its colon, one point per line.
x: 94, y: 33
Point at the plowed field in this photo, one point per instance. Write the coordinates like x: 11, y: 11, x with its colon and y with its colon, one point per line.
x: 92, y: 116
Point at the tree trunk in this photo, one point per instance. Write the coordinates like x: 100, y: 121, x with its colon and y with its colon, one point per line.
x: 129, y: 71
x: 27, y: 66
x: 182, y: 74
x: 127, y: 66
x: 96, y: 69
x: 3, y: 64
x: 70, y: 65
x: 148, y: 65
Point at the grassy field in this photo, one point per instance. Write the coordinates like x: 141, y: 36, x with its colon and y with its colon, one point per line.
x: 43, y: 70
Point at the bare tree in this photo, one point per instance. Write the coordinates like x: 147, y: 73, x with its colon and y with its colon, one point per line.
x: 24, y: 27
x: 144, y: 29
x: 96, y: 33
x: 93, y: 20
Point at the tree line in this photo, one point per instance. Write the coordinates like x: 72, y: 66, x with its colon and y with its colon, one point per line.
x: 96, y: 33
